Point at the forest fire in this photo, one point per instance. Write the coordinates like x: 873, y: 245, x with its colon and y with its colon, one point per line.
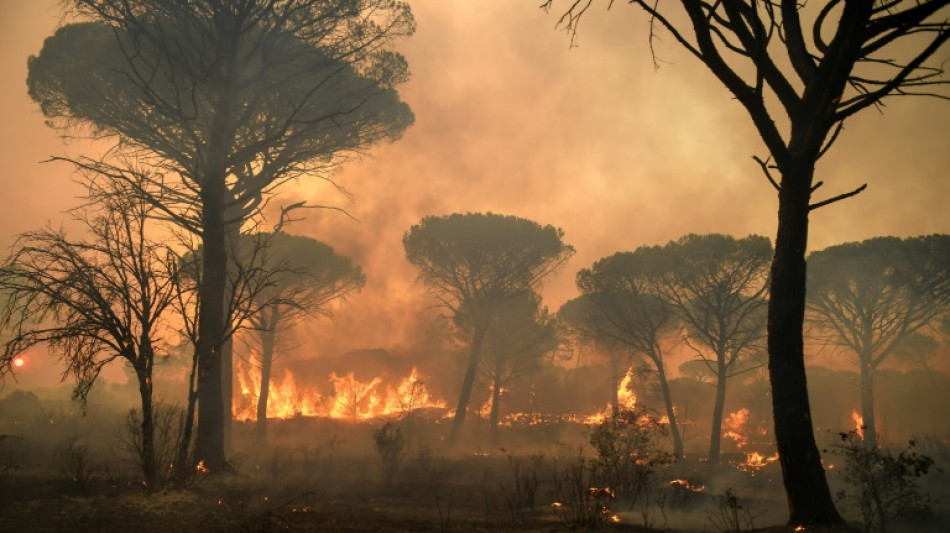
x: 351, y: 398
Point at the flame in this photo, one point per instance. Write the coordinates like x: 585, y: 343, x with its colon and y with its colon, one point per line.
x: 735, y: 427
x: 626, y: 397
x: 485, y: 410
x: 626, y: 400
x: 858, y: 423
x: 685, y: 484
x: 755, y: 460
x: 201, y: 468
x: 351, y: 399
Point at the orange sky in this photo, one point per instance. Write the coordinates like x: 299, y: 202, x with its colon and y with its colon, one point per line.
x: 509, y: 119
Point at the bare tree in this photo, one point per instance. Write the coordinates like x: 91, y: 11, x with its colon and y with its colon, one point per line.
x: 474, y: 263
x: 94, y: 301
x: 800, y: 71
x: 213, y: 104
x: 873, y: 296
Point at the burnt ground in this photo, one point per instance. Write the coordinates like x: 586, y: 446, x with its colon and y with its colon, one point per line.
x: 320, y: 475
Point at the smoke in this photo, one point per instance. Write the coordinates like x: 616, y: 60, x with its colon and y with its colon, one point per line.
x: 510, y: 119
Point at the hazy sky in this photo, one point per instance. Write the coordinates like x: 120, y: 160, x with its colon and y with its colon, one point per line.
x: 510, y: 119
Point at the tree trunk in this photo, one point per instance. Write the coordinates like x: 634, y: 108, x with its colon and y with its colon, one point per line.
x: 809, y: 499
x: 468, y: 381
x: 615, y: 380
x: 149, y: 464
x: 232, y: 235
x: 715, y: 437
x: 867, y: 403
x: 670, y: 412
x: 182, y: 466
x: 495, y: 401
x: 268, y: 336
x: 209, y: 437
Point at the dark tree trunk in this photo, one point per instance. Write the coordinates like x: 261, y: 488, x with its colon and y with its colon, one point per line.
x: 182, y: 465
x: 495, y: 404
x: 149, y: 464
x: 468, y: 381
x: 715, y: 437
x: 227, y: 391
x: 232, y: 235
x: 809, y: 499
x: 670, y: 412
x: 867, y: 403
x: 209, y: 437
x: 268, y: 337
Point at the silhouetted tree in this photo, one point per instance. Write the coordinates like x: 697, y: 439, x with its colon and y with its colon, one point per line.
x: 717, y: 286
x: 213, y: 104
x: 308, y: 277
x: 474, y: 263
x: 800, y: 71
x: 873, y: 295
x: 588, y: 326
x: 520, y: 335
x: 94, y: 301
x: 633, y: 311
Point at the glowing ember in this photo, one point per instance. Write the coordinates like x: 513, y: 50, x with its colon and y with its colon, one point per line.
x: 201, y: 468
x: 858, y: 423
x: 18, y: 362
x: 351, y: 399
x: 735, y: 427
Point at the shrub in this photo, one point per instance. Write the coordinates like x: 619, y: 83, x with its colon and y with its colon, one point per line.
x: 881, y: 485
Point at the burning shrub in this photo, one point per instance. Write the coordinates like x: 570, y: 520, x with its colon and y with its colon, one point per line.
x: 391, y: 446
x: 883, y: 486
x: 579, y: 502
x: 628, y: 451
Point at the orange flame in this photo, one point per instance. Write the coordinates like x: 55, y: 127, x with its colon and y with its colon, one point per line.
x: 351, y: 399
x: 755, y: 460
x: 735, y: 427
x: 858, y: 423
